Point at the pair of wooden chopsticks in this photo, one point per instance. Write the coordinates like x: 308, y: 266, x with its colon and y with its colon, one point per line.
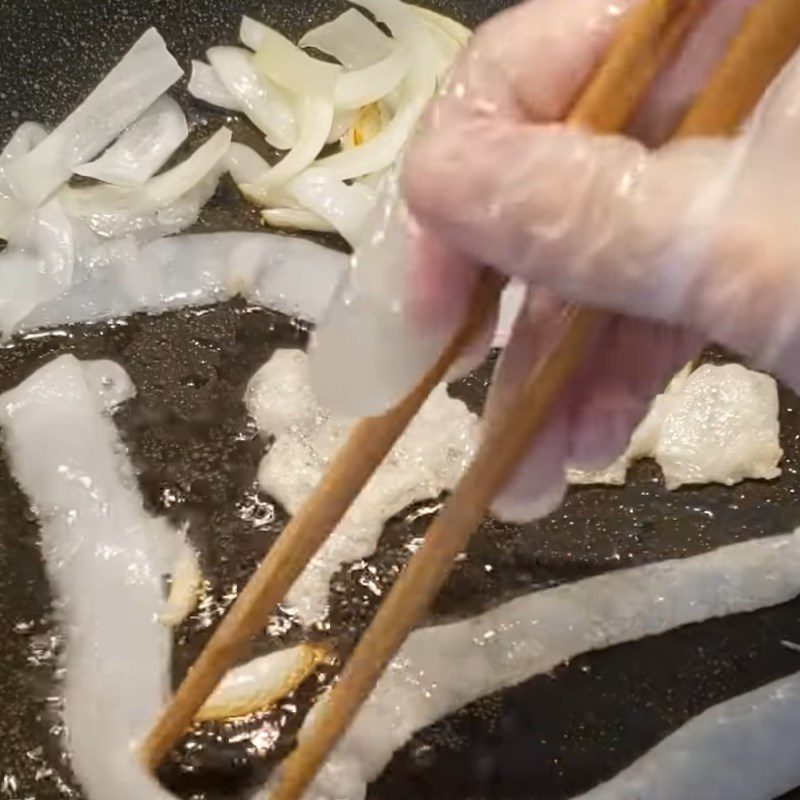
x: 647, y: 39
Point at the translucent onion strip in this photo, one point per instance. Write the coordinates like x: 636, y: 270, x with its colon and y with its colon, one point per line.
x: 443, y: 668
x: 136, y: 82
x: 267, y: 106
x: 104, y: 558
x: 205, y: 85
x: 186, y: 582
x: 116, y: 210
x: 345, y: 207
x: 296, y: 219
x: 143, y: 148
x: 370, y: 84
x: 262, y: 682
x: 351, y: 39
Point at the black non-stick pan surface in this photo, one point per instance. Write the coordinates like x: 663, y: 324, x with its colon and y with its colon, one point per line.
x: 197, y: 454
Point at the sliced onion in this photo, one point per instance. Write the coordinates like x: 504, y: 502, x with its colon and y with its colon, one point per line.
x: 345, y: 207
x: 185, y: 584
x: 120, y: 278
x: 104, y: 558
x: 343, y: 120
x: 369, y: 122
x: 157, y: 205
x: 296, y: 219
x: 280, y: 60
x: 369, y: 84
x: 351, y: 39
x: 143, y: 148
x: 136, y: 82
x: 382, y: 151
x: 262, y: 682
x: 417, y: 89
x: 247, y: 168
x: 443, y: 668
x: 205, y: 84
x: 267, y: 106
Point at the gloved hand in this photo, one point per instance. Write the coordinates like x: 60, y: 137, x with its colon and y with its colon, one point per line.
x: 697, y: 237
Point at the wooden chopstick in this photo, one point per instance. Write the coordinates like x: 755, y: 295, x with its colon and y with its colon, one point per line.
x: 768, y: 37
x: 650, y: 37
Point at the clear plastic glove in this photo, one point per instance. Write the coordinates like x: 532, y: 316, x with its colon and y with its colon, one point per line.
x: 697, y: 237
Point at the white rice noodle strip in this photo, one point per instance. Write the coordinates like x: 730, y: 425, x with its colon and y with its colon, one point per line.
x: 534, y: 634
x: 747, y: 748
x: 345, y: 207
x: 135, y: 83
x: 370, y: 84
x: 143, y: 148
x: 117, y: 210
x: 296, y: 219
x: 352, y: 39
x: 38, y: 264
x: 205, y: 84
x: 24, y: 139
x: 267, y: 106
x: 104, y: 559
x: 284, y: 273
x: 262, y: 682
x: 277, y: 59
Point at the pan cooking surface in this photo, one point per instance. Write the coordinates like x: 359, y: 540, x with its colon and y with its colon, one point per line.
x: 197, y: 455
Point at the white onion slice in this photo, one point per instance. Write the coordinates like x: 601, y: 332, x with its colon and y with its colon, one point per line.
x: 441, y: 669
x: 186, y: 582
x: 262, y: 682
x: 246, y: 166
x: 296, y: 219
x: 145, y: 72
x: 277, y: 59
x: 284, y: 273
x: 351, y: 39
x: 143, y: 148
x: 345, y: 207
x: 104, y: 557
x: 116, y: 210
x: 343, y: 120
x: 267, y: 106
x: 370, y: 84
x: 743, y: 749
x: 205, y: 84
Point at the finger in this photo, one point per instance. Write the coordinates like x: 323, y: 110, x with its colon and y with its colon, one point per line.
x: 632, y: 361
x: 538, y: 484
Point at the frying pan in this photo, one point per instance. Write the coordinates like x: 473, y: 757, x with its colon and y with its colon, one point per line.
x: 197, y: 454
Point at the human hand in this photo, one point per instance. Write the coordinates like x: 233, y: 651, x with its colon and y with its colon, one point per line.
x: 696, y: 237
